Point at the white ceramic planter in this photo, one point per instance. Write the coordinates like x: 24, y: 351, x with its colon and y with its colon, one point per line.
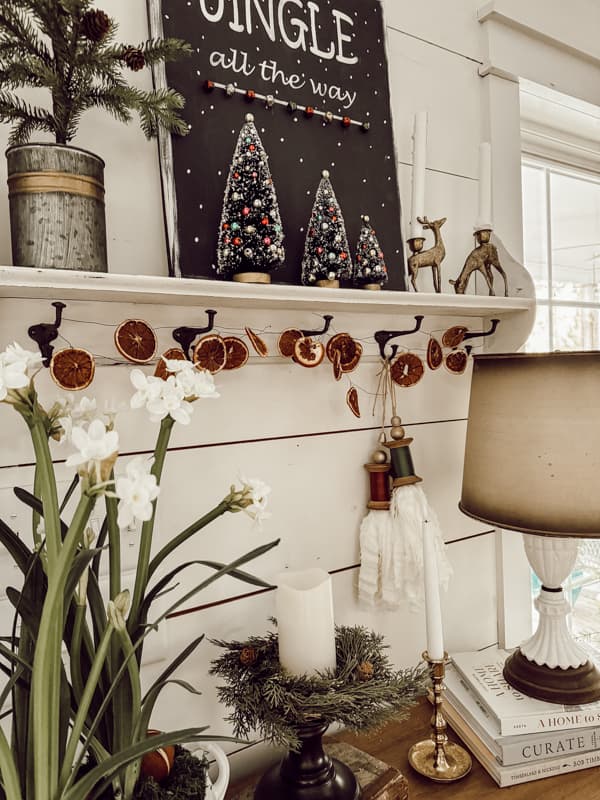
x: 217, y: 786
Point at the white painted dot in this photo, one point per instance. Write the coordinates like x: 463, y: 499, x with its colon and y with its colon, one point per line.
x: 196, y: 239
x: 282, y: 139
x: 212, y: 108
x: 188, y: 171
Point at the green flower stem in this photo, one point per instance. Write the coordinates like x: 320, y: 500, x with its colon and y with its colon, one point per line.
x: 35, y: 518
x: 114, y: 545
x: 47, y: 486
x: 66, y: 775
x: 75, y: 651
x: 8, y: 770
x: 174, y: 543
x: 45, y: 683
x: 141, y: 576
x: 132, y: 770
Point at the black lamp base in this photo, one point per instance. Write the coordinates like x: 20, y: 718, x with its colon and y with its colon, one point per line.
x: 310, y: 774
x: 570, y: 687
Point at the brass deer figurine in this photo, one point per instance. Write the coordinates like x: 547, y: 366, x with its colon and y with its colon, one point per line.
x: 429, y: 258
x: 482, y: 258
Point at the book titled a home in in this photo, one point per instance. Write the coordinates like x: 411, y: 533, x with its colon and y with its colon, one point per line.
x: 513, y: 711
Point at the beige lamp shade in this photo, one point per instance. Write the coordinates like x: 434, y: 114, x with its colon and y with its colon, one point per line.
x: 532, y: 456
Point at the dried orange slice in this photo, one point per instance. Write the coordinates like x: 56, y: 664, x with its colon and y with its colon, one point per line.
x: 72, y: 368
x: 210, y: 353
x: 454, y: 336
x: 287, y: 340
x: 236, y: 352
x: 456, y: 362
x: 352, y: 401
x: 257, y: 343
x: 136, y: 341
x: 172, y: 354
x: 337, y: 365
x: 407, y: 369
x: 308, y: 353
x: 434, y: 354
x: 350, y: 351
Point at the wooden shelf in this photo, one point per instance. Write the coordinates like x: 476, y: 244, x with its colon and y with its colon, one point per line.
x: 70, y: 285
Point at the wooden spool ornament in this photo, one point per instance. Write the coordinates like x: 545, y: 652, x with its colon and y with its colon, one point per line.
x: 402, y: 469
x: 379, y: 484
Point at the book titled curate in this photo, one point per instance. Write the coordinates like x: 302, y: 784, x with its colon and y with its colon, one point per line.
x: 513, y: 711
x: 461, y: 700
x: 518, y: 773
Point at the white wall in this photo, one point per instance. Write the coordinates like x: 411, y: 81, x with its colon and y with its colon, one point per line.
x: 287, y: 425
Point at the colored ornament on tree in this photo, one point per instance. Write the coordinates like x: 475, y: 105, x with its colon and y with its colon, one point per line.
x: 326, y: 251
x: 370, y: 270
x: 251, y: 235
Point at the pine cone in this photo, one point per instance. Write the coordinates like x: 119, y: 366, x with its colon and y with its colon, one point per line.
x: 95, y: 25
x: 248, y: 656
x: 365, y: 671
x: 134, y: 59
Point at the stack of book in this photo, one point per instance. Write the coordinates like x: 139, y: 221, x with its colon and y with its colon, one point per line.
x: 514, y: 737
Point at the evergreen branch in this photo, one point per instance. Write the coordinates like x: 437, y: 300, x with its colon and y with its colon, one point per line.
x: 27, y: 118
x: 156, y: 50
x: 28, y: 73
x: 17, y: 28
x: 159, y: 109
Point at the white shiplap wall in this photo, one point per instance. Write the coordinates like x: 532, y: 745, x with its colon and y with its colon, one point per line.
x: 291, y: 426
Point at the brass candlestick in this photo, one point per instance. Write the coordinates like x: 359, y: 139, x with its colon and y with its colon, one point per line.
x: 437, y: 758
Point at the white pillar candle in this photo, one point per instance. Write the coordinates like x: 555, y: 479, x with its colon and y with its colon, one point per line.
x: 305, y: 626
x: 484, y: 219
x: 418, y: 174
x: 433, y: 607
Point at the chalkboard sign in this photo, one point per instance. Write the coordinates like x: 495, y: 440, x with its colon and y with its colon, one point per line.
x: 280, y: 59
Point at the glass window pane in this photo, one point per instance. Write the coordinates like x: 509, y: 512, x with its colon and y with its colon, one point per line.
x: 535, y: 228
x: 539, y: 338
x: 576, y: 328
x: 575, y: 225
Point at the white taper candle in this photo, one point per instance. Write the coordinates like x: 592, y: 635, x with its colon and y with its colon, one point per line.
x: 305, y: 626
x: 484, y: 219
x: 418, y: 174
x: 433, y: 607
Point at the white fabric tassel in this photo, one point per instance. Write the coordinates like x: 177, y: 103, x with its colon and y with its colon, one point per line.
x: 375, y: 533
x: 409, y: 509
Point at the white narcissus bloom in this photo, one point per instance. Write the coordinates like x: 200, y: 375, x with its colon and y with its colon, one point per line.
x: 80, y: 413
x: 171, y: 401
x: 256, y: 494
x: 15, y: 366
x: 196, y: 383
x: 136, y: 490
x: 148, y: 388
x: 93, y: 446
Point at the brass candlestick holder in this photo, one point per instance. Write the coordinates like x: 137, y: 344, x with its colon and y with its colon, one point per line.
x: 436, y: 758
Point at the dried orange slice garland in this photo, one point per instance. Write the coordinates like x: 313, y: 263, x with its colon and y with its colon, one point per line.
x: 172, y: 354
x: 337, y: 365
x: 434, y: 354
x: 287, y: 340
x: 407, y: 369
x: 236, y: 352
x: 456, y: 361
x: 257, y: 343
x: 350, y: 351
x: 72, y: 368
x: 308, y: 352
x: 454, y: 336
x: 352, y: 401
x: 136, y: 341
x: 210, y: 353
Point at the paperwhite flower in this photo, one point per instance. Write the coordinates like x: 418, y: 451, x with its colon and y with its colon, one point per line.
x: 16, y: 364
x: 94, y: 445
x: 257, y: 492
x: 196, y: 383
x: 136, y: 490
x: 26, y: 360
x: 148, y: 388
x: 81, y: 414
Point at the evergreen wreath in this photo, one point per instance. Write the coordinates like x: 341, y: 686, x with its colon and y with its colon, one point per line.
x: 69, y: 48
x: 363, y: 692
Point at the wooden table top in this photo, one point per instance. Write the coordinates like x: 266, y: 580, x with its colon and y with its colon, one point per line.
x: 392, y: 743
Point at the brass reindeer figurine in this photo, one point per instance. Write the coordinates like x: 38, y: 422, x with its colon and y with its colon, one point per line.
x: 482, y: 258
x: 429, y: 258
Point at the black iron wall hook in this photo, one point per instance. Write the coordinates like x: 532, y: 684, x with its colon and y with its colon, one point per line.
x: 184, y: 336
x: 482, y: 334
x: 327, y: 322
x: 45, y: 332
x: 383, y: 337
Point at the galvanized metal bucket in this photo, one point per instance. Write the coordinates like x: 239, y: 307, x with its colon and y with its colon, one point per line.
x: 56, y: 201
